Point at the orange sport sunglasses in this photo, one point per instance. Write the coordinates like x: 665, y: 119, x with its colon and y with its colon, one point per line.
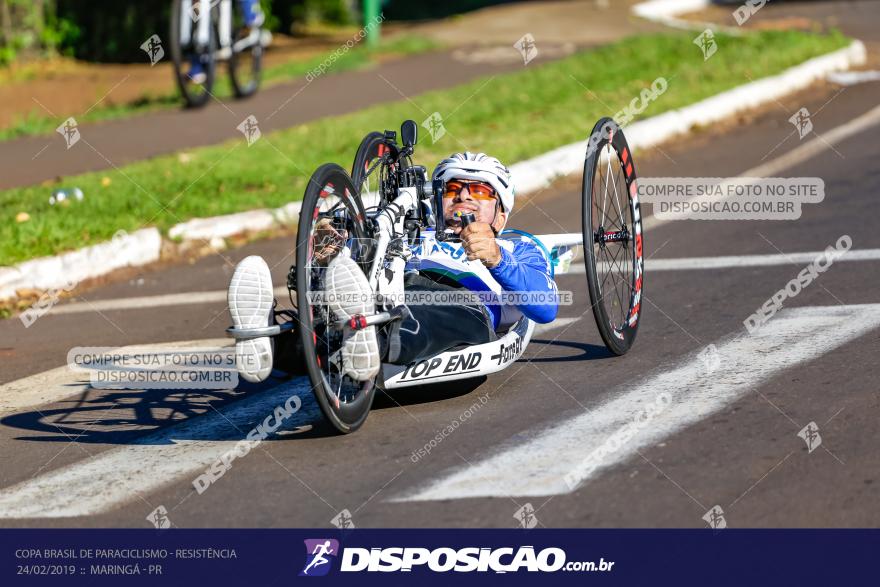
x: 477, y: 189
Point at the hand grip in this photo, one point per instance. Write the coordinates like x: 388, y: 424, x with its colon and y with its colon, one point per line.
x: 465, y: 218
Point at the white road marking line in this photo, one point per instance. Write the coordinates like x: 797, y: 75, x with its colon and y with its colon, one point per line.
x: 56, y: 384
x: 177, y: 299
x: 754, y: 260
x: 577, y: 267
x: 539, y: 466
x: 558, y: 323
x: 117, y: 476
x: 60, y: 383
x: 798, y: 155
x: 816, y: 146
x: 739, y: 261
x: 771, y: 168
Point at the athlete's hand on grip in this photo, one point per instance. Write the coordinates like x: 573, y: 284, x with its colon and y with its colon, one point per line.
x: 479, y: 243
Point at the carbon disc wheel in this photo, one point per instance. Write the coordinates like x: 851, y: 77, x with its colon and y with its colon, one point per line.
x: 612, y: 232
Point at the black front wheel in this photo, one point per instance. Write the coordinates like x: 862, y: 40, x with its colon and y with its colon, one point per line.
x: 371, y: 149
x: 189, y: 55
x: 246, y: 65
x: 612, y: 232
x: 331, y: 220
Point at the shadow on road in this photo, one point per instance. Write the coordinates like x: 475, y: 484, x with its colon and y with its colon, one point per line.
x: 128, y: 417
x: 163, y: 416
x: 423, y: 394
x: 144, y: 417
x: 589, y: 352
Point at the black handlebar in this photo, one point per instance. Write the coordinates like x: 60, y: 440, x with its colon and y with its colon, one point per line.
x: 415, y: 176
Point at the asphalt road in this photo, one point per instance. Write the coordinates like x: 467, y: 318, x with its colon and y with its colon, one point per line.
x: 74, y: 456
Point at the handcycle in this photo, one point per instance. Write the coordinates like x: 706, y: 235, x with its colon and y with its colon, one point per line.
x: 211, y: 31
x: 385, y: 207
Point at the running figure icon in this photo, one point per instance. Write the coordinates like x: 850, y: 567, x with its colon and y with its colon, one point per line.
x: 319, y: 554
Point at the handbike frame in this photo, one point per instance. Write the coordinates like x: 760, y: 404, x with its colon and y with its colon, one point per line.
x: 421, y: 202
x: 472, y: 361
x: 420, y: 206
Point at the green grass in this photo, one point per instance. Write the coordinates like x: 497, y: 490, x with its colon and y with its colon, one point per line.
x: 37, y: 122
x: 513, y: 116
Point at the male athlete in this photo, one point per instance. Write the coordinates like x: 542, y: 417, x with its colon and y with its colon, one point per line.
x: 476, y: 260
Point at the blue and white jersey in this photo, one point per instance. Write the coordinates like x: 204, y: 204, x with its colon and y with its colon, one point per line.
x: 523, y: 269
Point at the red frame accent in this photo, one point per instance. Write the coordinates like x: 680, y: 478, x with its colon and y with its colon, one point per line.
x: 358, y: 322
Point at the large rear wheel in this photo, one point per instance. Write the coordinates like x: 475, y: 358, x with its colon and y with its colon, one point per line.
x: 331, y: 220
x: 612, y: 231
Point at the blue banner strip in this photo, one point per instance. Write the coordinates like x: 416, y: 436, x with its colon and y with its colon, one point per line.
x: 270, y: 557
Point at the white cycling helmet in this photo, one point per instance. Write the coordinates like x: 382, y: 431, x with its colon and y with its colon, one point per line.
x: 478, y: 167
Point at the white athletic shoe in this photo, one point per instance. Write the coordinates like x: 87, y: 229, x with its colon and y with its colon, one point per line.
x: 352, y: 296
x: 250, y: 302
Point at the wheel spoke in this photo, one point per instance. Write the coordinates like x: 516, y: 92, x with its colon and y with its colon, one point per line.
x: 605, y: 185
x: 621, y: 276
x: 616, y: 199
x: 614, y: 259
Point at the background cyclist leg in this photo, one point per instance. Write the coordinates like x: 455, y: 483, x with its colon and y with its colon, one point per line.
x: 252, y: 13
x: 253, y: 17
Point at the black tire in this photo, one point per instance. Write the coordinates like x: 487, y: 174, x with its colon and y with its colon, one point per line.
x: 372, y: 147
x: 245, y: 68
x: 345, y: 403
x: 612, y: 231
x: 194, y: 95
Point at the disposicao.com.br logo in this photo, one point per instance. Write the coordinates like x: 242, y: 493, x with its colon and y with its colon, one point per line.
x: 442, y: 560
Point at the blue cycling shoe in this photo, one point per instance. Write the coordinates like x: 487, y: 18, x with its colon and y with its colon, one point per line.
x: 197, y: 73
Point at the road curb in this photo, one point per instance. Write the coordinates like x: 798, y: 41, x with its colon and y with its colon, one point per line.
x: 535, y: 174
x: 144, y: 246
x: 68, y: 269
x: 220, y: 227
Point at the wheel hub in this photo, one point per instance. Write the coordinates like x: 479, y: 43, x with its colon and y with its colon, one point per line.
x: 603, y: 237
